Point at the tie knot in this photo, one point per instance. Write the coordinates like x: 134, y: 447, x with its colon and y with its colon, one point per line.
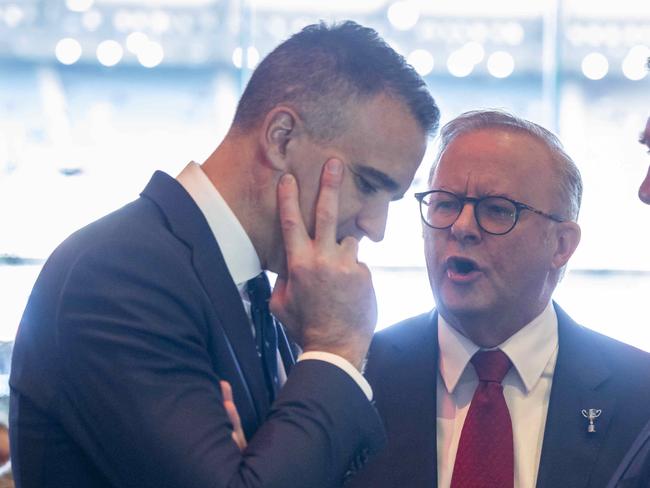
x: 259, y: 290
x: 491, y: 366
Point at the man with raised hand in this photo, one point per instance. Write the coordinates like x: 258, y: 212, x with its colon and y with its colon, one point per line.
x: 137, y: 319
x: 499, y: 387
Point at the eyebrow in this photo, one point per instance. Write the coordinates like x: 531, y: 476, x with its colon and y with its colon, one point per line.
x: 378, y: 177
x: 480, y: 194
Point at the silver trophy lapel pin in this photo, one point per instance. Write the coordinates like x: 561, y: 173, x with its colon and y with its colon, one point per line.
x: 591, y: 414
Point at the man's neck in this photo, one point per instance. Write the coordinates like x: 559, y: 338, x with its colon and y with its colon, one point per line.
x: 247, y: 187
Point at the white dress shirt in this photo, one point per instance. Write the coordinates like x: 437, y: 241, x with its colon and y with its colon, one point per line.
x: 240, y: 256
x: 526, y: 388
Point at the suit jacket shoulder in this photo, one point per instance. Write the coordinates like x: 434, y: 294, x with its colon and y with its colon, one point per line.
x: 403, y: 335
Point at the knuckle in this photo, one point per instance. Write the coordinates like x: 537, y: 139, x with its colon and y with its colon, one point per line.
x: 288, y: 222
x: 325, y: 215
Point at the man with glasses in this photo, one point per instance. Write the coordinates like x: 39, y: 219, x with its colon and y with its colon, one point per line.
x: 499, y: 387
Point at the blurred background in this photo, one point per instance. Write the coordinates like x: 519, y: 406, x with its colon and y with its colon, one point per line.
x: 97, y: 94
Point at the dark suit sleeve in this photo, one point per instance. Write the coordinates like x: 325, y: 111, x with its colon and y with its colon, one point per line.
x: 140, y: 395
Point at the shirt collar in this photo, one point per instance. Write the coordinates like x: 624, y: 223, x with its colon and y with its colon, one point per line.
x: 529, y: 350
x: 238, y: 252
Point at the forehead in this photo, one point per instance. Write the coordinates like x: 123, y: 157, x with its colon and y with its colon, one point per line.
x: 495, y: 161
x: 382, y: 134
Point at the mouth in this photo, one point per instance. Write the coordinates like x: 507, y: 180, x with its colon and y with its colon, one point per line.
x: 462, y: 270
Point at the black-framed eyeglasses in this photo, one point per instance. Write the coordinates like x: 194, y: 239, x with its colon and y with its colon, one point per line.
x: 439, y: 209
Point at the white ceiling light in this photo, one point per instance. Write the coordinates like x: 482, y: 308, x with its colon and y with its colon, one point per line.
x: 109, y: 52
x: 460, y: 64
x: 135, y: 41
x: 160, y: 21
x: 122, y: 20
x: 68, y: 51
x: 595, y: 66
x: 513, y: 33
x: 151, y: 54
x: 500, y: 64
x: 474, y: 51
x: 403, y: 15
x: 422, y: 61
x: 635, y: 65
x: 253, y: 56
x: 79, y: 5
x: 13, y: 15
x: 91, y: 20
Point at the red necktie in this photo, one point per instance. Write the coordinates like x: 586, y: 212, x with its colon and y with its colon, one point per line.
x: 485, y: 457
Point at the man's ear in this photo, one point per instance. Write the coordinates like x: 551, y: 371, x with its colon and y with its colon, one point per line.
x: 277, y: 131
x: 568, y: 238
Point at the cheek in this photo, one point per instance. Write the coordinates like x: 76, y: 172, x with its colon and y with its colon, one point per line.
x: 307, y: 202
x: 433, y: 246
x: 518, y: 260
x: 349, y: 212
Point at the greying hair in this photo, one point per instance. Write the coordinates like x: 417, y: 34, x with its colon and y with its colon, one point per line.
x: 570, y: 181
x: 322, y: 69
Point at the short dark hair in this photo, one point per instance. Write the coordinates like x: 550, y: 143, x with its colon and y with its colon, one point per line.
x: 322, y: 68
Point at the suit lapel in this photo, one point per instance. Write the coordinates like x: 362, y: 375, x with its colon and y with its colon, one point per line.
x: 569, y: 451
x: 411, y: 367
x: 188, y: 224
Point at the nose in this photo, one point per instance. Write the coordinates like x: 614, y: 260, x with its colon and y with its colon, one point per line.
x: 466, y: 228
x: 644, y: 189
x: 372, y: 222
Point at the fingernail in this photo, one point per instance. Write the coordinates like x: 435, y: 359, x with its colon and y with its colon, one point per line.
x: 334, y: 166
x: 286, y: 179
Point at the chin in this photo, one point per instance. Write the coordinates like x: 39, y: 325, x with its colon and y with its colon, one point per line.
x: 460, y: 310
x: 460, y: 304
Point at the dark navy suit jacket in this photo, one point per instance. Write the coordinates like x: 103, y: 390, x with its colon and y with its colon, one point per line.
x: 634, y: 470
x: 592, y: 371
x: 115, y: 377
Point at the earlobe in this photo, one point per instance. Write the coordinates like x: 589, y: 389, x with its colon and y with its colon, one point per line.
x: 568, y: 238
x: 278, y: 130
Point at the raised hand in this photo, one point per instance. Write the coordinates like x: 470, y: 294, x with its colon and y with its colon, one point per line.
x: 326, y: 300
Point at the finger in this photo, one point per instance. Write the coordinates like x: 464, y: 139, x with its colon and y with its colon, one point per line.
x: 350, y: 247
x: 240, y: 441
x: 293, y: 227
x: 226, y: 391
x: 237, y: 434
x: 327, y: 205
x: 233, y: 415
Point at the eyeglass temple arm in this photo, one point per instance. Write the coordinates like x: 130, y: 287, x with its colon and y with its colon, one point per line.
x: 539, y: 212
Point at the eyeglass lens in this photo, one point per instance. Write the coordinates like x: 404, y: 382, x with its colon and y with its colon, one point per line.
x: 494, y: 214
